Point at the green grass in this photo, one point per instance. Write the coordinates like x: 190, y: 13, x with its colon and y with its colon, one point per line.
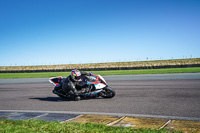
x: 111, y: 72
x: 39, y: 126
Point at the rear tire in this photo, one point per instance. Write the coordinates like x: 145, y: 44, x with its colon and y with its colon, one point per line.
x: 107, y: 92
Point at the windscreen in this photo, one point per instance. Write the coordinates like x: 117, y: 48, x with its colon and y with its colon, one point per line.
x: 92, y: 78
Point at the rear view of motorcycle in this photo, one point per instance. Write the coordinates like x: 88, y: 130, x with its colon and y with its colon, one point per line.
x: 97, y: 86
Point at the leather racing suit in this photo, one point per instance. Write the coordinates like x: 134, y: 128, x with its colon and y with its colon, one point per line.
x: 70, y: 86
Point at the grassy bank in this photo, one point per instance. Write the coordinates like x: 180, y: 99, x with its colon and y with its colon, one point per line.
x: 38, y: 126
x: 176, y: 62
x: 111, y: 72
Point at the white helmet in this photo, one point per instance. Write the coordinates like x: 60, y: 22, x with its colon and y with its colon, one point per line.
x: 76, y: 75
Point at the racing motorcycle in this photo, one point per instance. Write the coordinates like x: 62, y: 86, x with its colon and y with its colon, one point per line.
x: 97, y: 86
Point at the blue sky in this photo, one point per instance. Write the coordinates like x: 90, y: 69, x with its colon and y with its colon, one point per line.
x: 42, y: 32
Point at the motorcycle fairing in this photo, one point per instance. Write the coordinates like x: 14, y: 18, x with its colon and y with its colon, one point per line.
x: 56, y: 80
x: 99, y: 83
x: 92, y: 93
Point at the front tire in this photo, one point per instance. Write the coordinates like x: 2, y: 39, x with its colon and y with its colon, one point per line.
x: 107, y: 92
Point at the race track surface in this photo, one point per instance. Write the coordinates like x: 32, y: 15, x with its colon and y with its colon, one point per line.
x: 174, y: 95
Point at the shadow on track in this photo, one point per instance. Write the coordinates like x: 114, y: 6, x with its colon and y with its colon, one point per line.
x: 59, y: 99
x: 51, y: 99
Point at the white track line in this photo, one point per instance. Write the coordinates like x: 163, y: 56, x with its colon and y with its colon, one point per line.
x: 165, y: 124
x: 113, y: 114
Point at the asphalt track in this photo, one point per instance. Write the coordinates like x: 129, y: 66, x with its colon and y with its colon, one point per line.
x: 174, y: 96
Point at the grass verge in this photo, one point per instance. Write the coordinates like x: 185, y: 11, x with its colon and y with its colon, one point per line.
x: 110, y: 72
x: 39, y: 126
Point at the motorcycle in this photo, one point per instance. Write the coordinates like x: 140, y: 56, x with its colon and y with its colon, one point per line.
x: 97, y: 86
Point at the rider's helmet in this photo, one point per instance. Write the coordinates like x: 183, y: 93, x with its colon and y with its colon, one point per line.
x: 76, y: 75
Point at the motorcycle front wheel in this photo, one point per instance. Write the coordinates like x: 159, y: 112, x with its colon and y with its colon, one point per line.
x: 107, y: 92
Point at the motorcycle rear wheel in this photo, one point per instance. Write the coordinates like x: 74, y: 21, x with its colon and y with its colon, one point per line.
x: 107, y: 92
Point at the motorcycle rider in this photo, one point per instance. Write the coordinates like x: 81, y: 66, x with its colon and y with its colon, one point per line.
x: 75, y: 81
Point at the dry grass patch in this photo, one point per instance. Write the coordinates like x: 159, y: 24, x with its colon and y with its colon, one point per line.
x: 105, y: 65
